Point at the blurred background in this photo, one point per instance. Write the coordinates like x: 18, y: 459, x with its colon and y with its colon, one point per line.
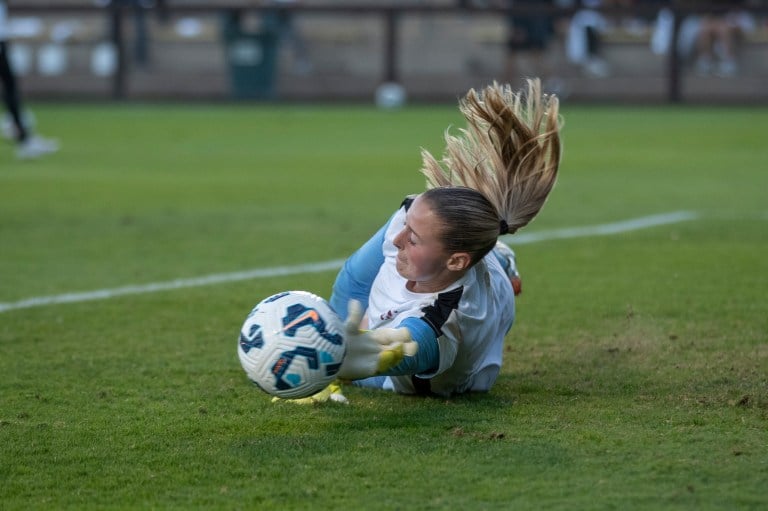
x: 389, y: 52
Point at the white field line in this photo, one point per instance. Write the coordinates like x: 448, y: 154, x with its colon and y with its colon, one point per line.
x: 632, y: 224
x: 278, y: 271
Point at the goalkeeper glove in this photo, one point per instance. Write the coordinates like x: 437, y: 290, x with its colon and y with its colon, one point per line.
x: 372, y: 352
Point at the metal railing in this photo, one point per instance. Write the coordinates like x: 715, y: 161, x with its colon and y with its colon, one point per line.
x: 389, y: 13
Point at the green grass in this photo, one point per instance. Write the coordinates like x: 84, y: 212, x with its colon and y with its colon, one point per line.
x: 636, y: 376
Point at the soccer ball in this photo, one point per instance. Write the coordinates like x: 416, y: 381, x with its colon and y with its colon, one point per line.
x: 291, y: 344
x: 390, y: 95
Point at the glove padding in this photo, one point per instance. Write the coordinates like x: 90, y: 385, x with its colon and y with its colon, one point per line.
x: 372, y: 352
x: 330, y: 393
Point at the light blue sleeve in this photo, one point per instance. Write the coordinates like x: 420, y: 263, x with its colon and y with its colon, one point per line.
x: 355, y: 279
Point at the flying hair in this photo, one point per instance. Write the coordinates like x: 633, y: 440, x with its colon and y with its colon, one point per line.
x: 509, y: 152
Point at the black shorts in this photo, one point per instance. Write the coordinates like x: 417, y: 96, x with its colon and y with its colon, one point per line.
x: 529, y: 32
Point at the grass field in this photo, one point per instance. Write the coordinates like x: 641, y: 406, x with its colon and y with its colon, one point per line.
x: 636, y: 376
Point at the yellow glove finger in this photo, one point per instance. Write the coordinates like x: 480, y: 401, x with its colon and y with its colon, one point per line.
x: 332, y: 392
x: 390, y: 357
x: 336, y: 394
x: 303, y: 401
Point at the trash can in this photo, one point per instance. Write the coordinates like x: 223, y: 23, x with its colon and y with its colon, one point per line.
x: 251, y: 57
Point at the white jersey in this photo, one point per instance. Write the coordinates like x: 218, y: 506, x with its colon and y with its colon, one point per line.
x: 471, y: 317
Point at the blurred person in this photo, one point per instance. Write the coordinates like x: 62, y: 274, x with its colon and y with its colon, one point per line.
x: 584, y: 41
x: 529, y: 38
x: 429, y: 299
x: 139, y: 9
x: 708, y: 40
x: 282, y: 23
x: 718, y: 37
x: 17, y: 125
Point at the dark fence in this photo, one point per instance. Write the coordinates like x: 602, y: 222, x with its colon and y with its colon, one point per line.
x: 120, y: 14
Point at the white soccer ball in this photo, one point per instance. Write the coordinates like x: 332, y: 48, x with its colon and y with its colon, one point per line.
x: 390, y: 95
x: 291, y: 344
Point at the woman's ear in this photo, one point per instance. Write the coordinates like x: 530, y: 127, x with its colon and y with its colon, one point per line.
x: 458, y: 261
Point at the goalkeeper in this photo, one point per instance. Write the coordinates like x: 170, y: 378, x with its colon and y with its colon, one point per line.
x: 428, y: 299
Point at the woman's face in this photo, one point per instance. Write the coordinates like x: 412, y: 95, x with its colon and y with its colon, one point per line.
x: 421, y: 256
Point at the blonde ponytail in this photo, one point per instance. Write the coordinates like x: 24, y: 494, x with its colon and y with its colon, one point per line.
x: 509, y: 152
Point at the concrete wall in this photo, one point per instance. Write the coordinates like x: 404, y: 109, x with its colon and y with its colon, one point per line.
x: 439, y: 57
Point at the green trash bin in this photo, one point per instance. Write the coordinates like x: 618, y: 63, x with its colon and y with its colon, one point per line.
x: 251, y: 58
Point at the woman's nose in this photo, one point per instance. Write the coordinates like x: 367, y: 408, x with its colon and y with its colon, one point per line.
x: 398, y: 241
